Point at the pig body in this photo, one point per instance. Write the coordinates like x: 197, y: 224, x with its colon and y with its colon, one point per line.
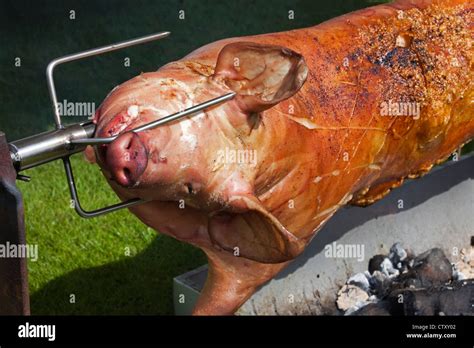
x: 324, y: 116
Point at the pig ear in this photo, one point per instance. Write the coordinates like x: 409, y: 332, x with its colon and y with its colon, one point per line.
x: 253, y: 233
x: 262, y: 75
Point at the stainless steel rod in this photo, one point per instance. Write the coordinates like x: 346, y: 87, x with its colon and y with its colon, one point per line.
x: 88, y: 53
x: 48, y: 146
x: 176, y: 116
x: 77, y: 204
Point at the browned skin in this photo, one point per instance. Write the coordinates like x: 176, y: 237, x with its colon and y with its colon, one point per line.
x: 328, y: 144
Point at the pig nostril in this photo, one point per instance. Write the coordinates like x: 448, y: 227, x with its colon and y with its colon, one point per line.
x: 189, y: 187
x: 127, y: 173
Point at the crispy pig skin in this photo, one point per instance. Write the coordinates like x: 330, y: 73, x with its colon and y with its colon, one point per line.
x: 327, y: 145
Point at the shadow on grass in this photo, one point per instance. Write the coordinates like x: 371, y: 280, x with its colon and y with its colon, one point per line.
x: 139, y: 284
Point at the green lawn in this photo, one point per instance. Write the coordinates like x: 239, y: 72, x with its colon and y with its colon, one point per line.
x: 88, y: 258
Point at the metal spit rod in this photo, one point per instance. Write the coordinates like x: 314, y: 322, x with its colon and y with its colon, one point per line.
x: 170, y: 118
x: 49, y: 146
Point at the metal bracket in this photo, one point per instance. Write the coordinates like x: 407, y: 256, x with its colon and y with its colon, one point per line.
x: 77, y: 204
x: 57, y: 117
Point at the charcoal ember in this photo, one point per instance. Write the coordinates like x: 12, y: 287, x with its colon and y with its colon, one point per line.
x: 410, y: 254
x: 460, y: 271
x: 375, y: 262
x: 380, y: 284
x: 457, y: 275
x: 397, y: 254
x: 454, y: 299
x: 419, y: 302
x: 383, y: 264
x: 387, y: 268
x: 402, y: 267
x: 379, y: 308
x: 360, y: 280
x: 410, y: 283
x: 433, y: 268
x: 430, y: 268
x: 424, y: 285
x: 457, y: 299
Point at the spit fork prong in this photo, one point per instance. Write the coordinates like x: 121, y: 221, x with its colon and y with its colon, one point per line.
x: 162, y: 121
x: 89, y: 53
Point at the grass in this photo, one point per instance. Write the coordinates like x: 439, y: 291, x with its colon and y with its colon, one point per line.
x: 111, y: 265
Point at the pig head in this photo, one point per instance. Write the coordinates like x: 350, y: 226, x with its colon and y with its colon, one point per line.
x: 199, y: 174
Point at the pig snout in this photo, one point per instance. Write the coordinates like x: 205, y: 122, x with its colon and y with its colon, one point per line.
x: 126, y: 158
